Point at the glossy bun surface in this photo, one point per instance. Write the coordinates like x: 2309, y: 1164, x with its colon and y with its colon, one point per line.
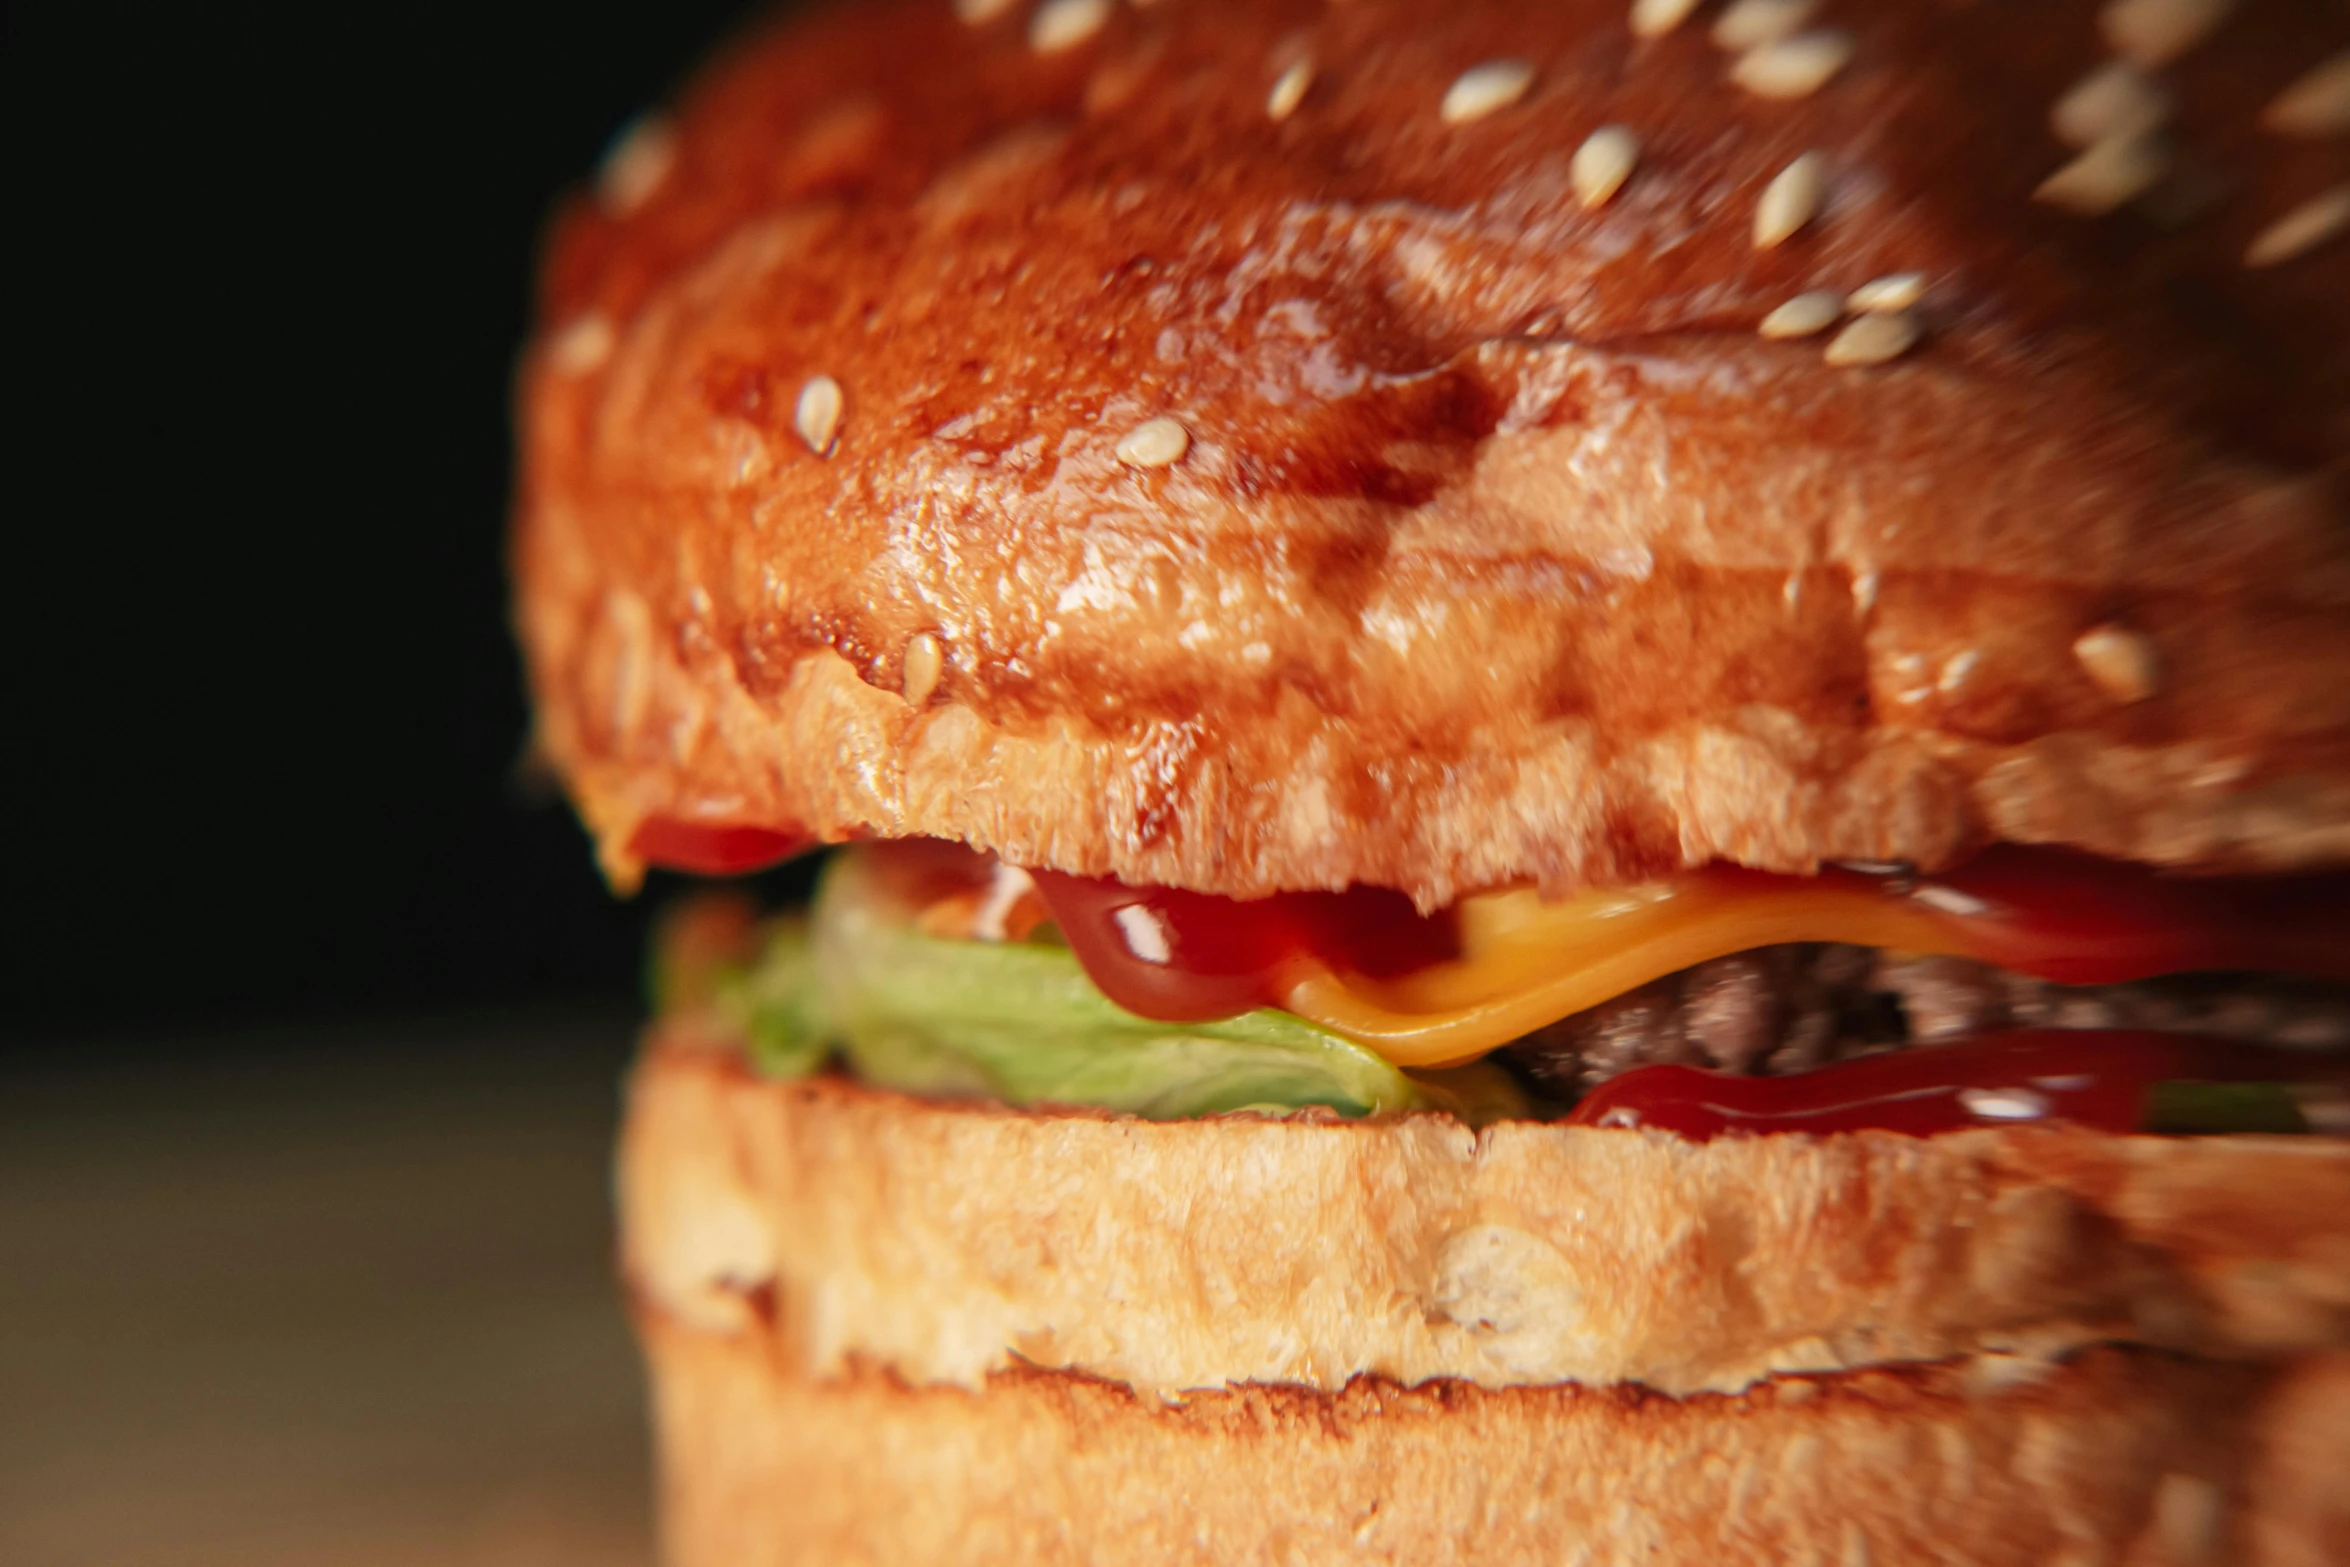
x: 932, y: 432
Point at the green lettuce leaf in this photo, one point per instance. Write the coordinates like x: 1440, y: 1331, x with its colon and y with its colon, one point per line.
x: 715, y: 965
x: 1021, y: 1023
x: 2178, y: 1108
x: 778, y: 1005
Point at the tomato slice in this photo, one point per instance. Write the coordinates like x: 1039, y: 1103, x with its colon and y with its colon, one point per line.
x: 2099, y: 1079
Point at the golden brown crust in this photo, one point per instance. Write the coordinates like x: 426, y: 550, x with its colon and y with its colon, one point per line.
x: 2301, y: 1513
x: 1503, y: 547
x: 2122, y: 1456
x: 948, y: 1242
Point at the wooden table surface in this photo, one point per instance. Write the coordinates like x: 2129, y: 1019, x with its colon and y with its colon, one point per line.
x: 335, y: 1295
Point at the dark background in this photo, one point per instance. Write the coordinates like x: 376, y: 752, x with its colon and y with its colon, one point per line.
x: 271, y: 270
x: 315, y: 1022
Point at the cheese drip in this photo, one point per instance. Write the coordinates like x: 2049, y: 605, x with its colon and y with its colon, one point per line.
x: 1526, y: 962
x: 1502, y: 964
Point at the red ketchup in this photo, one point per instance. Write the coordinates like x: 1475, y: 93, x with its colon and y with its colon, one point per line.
x: 2060, y: 915
x: 2071, y: 918
x: 2080, y: 920
x: 703, y: 849
x: 1187, y: 957
x: 2100, y: 1080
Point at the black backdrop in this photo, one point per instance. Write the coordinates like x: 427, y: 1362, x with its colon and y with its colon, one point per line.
x: 271, y: 267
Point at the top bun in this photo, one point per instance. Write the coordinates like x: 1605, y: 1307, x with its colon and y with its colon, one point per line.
x: 1248, y: 446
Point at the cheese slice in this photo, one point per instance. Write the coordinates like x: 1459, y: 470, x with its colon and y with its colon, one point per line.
x: 1526, y: 962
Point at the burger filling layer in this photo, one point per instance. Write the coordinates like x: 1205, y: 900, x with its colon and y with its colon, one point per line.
x: 2027, y: 985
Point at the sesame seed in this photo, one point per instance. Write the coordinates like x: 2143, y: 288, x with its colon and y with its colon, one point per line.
x: 1481, y: 89
x: 2116, y: 99
x: 2301, y: 230
x: 2106, y: 175
x: 1790, y: 200
x: 1957, y: 670
x: 1655, y: 18
x: 817, y: 414
x: 1874, y: 339
x: 581, y: 346
x: 1804, y: 315
x: 1064, y: 24
x: 975, y: 12
x: 1893, y: 291
x: 2004, y: 1104
x: 1154, y: 443
x: 1748, y: 23
x: 2156, y: 32
x: 2123, y: 663
x: 1602, y: 164
x: 2318, y: 104
x: 925, y: 661
x: 1793, y: 67
x: 1289, y: 90
x: 639, y: 161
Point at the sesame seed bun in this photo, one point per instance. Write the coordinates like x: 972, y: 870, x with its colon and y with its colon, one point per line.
x: 1257, y: 446
x: 1260, y: 446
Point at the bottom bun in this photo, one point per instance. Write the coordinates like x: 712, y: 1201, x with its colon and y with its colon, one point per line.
x: 2126, y: 1456
x: 948, y: 1241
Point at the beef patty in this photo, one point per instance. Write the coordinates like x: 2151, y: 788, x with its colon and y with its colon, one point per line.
x: 1789, y: 1008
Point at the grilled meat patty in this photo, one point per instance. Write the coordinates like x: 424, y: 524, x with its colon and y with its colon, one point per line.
x: 1790, y: 1008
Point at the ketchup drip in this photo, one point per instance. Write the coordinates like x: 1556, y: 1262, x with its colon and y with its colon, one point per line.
x: 2071, y: 918
x: 2100, y: 1080
x: 1186, y: 957
x: 2063, y: 916
x: 2080, y: 920
x: 701, y: 849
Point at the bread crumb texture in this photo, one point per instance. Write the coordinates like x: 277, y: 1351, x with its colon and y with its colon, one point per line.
x: 2117, y: 1456
x: 950, y: 1242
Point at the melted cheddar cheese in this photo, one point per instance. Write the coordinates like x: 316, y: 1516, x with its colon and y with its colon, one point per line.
x: 1525, y: 962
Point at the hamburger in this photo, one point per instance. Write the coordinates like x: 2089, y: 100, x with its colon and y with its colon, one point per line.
x: 1590, y: 773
